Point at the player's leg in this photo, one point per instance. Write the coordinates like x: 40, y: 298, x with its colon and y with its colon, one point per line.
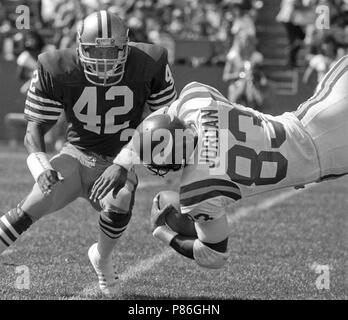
x: 36, y: 204
x: 113, y: 220
x: 325, y: 118
x: 116, y: 215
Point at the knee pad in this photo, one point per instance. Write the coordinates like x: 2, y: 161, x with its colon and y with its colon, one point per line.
x: 113, y: 224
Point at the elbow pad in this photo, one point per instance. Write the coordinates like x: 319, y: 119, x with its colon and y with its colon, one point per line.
x: 207, y: 257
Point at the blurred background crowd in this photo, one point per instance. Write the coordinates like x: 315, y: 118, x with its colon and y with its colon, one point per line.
x: 315, y: 38
x: 149, y: 21
x: 226, y: 22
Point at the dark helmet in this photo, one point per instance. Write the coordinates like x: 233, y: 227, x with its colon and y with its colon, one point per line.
x: 103, y: 47
x: 166, y: 143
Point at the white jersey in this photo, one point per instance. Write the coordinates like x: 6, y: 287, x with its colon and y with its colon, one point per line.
x: 240, y: 152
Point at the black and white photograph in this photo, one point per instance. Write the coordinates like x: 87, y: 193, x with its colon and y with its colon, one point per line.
x: 173, y: 157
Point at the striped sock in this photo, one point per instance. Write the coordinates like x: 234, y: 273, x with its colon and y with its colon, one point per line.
x: 12, y: 225
x: 113, y: 224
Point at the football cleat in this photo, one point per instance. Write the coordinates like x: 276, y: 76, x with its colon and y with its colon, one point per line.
x: 108, y: 279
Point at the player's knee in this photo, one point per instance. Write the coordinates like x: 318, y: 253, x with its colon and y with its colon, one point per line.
x: 207, y: 257
x: 113, y: 224
x: 122, y: 203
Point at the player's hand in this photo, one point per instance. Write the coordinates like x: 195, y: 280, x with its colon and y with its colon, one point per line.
x: 113, y: 178
x: 158, y: 215
x: 47, y: 180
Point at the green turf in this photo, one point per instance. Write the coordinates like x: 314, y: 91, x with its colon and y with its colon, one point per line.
x: 273, y: 252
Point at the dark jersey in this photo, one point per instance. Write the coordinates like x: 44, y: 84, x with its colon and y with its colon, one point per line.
x: 97, y: 115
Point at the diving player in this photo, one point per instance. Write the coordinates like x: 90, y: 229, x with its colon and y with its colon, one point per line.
x: 105, y: 86
x: 231, y: 152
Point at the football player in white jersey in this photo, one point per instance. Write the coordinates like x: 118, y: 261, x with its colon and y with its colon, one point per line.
x: 229, y: 152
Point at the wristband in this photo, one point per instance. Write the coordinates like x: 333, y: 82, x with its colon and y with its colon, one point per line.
x: 38, y: 163
x: 124, y: 159
x: 165, y: 234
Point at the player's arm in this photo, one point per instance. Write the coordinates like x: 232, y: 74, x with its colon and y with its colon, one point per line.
x: 229, y: 72
x: 115, y: 176
x: 163, y: 91
x: 42, y: 111
x: 208, y: 248
x: 307, y: 74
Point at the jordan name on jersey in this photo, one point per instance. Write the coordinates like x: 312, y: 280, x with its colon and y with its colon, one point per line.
x: 240, y: 151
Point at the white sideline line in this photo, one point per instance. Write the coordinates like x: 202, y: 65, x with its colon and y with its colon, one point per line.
x: 147, y: 264
x: 266, y: 204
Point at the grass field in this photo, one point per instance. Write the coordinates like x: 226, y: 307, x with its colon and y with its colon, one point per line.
x: 278, y: 245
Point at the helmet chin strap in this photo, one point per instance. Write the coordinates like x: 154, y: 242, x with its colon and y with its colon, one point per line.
x: 163, y: 171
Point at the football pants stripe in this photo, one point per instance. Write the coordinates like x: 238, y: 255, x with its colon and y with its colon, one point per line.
x: 104, y: 23
x: 327, y: 93
x: 205, y: 196
x: 325, y: 88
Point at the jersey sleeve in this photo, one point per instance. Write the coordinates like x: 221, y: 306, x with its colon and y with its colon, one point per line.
x: 163, y: 91
x: 40, y: 105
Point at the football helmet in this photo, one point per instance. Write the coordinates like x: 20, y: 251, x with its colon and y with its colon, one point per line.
x: 102, y: 40
x: 166, y: 143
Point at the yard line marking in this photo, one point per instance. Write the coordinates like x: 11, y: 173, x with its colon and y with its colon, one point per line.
x: 145, y: 265
x: 265, y: 204
x: 131, y: 273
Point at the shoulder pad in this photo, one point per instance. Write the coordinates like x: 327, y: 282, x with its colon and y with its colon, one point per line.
x: 62, y: 65
x: 151, y: 50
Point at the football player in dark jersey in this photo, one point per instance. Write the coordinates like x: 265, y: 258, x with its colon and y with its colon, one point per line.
x: 103, y: 87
